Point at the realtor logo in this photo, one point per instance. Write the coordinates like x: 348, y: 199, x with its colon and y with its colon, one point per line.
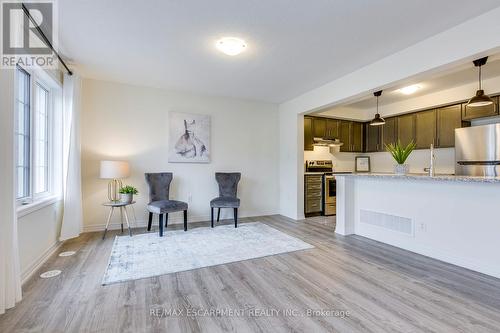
x: 23, y: 42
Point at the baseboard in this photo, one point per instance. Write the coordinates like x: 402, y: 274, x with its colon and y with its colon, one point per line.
x: 28, y: 272
x: 171, y: 220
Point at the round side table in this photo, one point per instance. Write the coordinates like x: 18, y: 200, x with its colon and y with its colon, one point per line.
x: 123, y: 211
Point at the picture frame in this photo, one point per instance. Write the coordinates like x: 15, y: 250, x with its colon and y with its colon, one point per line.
x: 189, y: 138
x: 362, y: 164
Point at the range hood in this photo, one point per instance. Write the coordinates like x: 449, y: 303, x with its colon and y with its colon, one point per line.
x: 327, y: 142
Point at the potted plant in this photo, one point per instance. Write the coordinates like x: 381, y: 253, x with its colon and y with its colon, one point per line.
x: 127, y: 193
x: 400, y: 153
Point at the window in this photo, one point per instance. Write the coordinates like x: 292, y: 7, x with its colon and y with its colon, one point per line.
x: 41, y: 161
x: 34, y: 165
x: 23, y: 135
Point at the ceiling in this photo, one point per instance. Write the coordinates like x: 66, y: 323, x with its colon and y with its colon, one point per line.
x: 293, y: 46
x: 454, y: 77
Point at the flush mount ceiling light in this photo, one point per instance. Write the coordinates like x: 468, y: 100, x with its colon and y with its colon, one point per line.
x: 378, y: 120
x: 231, y: 45
x: 410, y: 89
x: 480, y: 99
x: 50, y: 274
x: 66, y: 254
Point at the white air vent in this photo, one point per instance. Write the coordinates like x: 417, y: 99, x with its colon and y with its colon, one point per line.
x: 387, y: 221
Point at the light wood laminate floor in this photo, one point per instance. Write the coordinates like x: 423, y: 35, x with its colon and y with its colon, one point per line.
x: 383, y: 288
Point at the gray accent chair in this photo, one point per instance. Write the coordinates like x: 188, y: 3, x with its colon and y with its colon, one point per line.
x: 159, y: 202
x: 228, y: 188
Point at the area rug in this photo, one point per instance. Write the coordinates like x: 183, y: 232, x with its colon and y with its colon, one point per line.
x: 146, y: 255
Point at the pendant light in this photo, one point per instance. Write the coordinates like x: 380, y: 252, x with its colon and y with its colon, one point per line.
x: 378, y: 120
x: 480, y: 99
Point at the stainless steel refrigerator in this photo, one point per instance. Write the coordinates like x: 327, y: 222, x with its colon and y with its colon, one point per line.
x: 477, y: 150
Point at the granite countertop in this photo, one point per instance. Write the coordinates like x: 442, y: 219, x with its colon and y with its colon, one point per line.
x: 420, y: 176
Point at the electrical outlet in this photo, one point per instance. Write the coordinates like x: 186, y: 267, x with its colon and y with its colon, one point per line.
x: 423, y: 226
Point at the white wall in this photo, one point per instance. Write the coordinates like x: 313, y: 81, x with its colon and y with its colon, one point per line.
x: 291, y: 127
x: 437, y: 53
x: 444, y: 162
x: 38, y: 234
x: 126, y: 122
x: 341, y: 161
x: 456, y: 222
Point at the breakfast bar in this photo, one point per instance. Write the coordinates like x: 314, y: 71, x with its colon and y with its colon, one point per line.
x: 455, y: 219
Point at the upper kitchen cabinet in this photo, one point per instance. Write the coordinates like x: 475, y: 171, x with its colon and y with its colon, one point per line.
x: 345, y: 135
x: 319, y: 127
x: 373, y: 138
x: 351, y: 135
x: 448, y: 119
x: 474, y: 112
x: 332, y: 128
x: 349, y: 132
x: 425, y: 129
x: 406, y: 128
x: 357, y: 137
x: 389, y: 132
x: 308, y: 133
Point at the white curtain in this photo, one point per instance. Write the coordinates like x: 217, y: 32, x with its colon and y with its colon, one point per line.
x: 10, y: 276
x: 72, y: 180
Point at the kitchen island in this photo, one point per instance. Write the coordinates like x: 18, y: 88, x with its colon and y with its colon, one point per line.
x: 455, y: 219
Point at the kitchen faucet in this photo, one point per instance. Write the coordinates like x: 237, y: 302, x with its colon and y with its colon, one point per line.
x: 432, y: 158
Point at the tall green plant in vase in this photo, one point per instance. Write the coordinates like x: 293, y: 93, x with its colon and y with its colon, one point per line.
x: 400, y: 153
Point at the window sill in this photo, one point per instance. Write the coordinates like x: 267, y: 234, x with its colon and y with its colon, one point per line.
x: 39, y: 204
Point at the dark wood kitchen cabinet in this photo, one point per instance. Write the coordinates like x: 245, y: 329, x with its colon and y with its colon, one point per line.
x: 406, y: 128
x: 332, y: 128
x: 308, y: 133
x: 436, y: 125
x: 345, y: 135
x: 448, y: 118
x: 389, y: 132
x: 351, y: 135
x: 474, y: 112
x: 357, y: 137
x: 319, y: 127
x: 373, y: 138
x: 425, y: 129
x: 313, y: 186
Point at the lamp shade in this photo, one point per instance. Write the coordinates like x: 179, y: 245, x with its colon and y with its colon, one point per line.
x: 114, y: 169
x: 480, y: 99
x: 377, y: 121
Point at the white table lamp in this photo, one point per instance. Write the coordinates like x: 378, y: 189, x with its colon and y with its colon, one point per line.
x: 114, y: 170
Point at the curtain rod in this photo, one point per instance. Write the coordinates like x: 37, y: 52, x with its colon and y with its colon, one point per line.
x: 45, y: 39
